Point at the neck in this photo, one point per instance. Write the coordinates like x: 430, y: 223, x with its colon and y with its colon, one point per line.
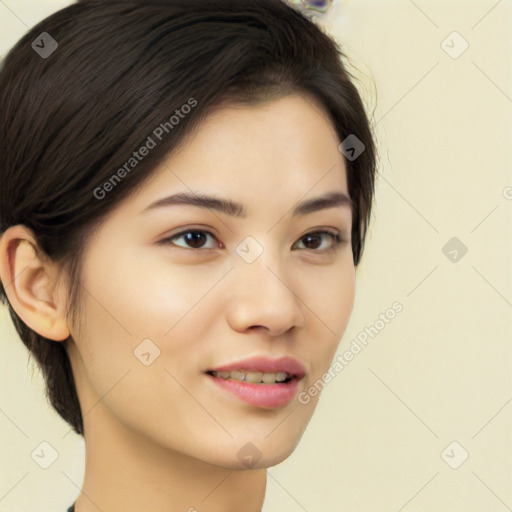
x: 125, y: 471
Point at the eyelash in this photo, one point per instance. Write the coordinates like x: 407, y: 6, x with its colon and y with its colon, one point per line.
x: 335, y: 237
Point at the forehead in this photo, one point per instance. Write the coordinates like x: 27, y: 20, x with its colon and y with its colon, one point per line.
x: 265, y: 155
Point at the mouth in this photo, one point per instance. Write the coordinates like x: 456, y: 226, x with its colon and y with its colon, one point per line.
x: 260, y: 382
x: 260, y: 378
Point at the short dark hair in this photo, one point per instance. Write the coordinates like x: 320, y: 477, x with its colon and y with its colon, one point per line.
x: 71, y: 119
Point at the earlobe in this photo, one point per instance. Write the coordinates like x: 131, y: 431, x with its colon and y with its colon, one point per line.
x: 30, y: 284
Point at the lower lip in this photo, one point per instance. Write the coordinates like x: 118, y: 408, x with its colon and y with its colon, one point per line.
x: 267, y: 396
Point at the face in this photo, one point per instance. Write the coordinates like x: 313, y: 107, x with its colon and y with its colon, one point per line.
x: 181, y: 296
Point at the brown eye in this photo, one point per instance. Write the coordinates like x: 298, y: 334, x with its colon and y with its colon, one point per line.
x: 315, y: 239
x: 193, y: 239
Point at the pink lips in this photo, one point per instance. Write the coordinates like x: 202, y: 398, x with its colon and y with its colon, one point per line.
x: 266, y: 396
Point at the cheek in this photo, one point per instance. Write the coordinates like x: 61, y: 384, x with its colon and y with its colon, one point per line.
x: 143, y: 293
x: 330, y: 304
x: 136, y: 374
x: 331, y: 294
x: 136, y: 307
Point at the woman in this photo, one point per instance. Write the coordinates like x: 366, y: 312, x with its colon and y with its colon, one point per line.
x: 186, y: 189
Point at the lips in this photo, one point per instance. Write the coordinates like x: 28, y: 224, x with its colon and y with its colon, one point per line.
x: 288, y: 365
x: 260, y: 382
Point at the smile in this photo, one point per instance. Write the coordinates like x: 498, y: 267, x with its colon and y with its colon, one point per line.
x: 253, y: 377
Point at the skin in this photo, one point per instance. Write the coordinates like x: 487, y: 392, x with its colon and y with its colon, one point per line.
x: 164, y: 437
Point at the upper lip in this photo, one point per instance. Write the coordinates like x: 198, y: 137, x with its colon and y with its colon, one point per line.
x: 286, y: 364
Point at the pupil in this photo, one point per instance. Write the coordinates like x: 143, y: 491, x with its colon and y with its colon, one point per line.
x: 311, y: 237
x: 194, y: 238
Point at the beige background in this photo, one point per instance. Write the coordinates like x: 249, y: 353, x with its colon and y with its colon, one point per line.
x: 441, y: 370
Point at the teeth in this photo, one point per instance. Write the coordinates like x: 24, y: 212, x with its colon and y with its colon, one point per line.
x: 253, y: 377
x: 280, y: 376
x: 268, y: 378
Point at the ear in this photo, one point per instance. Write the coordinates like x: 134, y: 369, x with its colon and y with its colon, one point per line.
x: 30, y: 282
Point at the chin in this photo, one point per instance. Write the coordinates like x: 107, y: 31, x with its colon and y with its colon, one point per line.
x: 263, y: 462
x: 263, y: 452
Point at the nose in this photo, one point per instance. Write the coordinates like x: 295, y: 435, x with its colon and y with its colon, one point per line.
x: 263, y: 298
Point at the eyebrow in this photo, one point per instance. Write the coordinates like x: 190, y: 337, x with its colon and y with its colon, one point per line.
x: 234, y: 209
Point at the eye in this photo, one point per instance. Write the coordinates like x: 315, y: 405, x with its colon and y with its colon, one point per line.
x: 196, y: 238
x: 314, y: 240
